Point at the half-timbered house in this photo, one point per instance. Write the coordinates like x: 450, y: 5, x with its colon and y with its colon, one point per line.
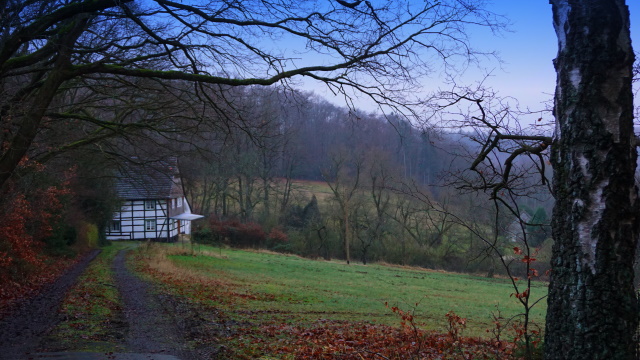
x: 153, y: 205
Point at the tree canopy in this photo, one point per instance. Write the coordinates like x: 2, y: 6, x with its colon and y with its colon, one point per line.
x: 99, y: 69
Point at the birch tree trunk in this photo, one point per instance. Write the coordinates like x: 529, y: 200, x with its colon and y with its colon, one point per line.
x: 592, y: 309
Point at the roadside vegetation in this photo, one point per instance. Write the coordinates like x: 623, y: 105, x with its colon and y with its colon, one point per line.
x: 289, y: 307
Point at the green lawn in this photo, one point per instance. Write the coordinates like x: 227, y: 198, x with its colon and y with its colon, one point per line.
x: 295, y: 289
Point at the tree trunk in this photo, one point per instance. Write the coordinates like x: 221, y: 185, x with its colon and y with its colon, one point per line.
x: 592, y: 310
x: 243, y: 214
x: 347, y: 232
x: 265, y: 197
x: 403, y: 246
x: 31, y: 120
x: 225, y: 202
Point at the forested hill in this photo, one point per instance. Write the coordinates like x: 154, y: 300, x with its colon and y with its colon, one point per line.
x: 299, y: 135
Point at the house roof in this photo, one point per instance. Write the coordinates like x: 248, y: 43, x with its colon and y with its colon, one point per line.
x: 158, y: 180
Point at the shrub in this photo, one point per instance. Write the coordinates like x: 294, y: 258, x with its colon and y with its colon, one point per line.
x: 62, y: 237
x: 278, y: 240
x: 93, y: 235
x: 236, y: 233
x: 250, y: 235
x: 204, y: 236
x: 88, y: 236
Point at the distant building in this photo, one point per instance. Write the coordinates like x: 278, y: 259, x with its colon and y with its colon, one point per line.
x: 153, y: 204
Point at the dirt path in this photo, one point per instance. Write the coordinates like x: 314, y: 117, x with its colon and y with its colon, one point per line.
x: 22, y: 330
x: 157, y: 325
x: 153, y: 326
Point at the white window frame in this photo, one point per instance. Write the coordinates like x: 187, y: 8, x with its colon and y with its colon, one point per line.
x: 150, y: 224
x: 180, y: 202
x: 149, y: 204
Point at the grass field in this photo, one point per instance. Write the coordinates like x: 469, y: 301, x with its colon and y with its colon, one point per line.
x: 298, y: 290
x: 308, y: 188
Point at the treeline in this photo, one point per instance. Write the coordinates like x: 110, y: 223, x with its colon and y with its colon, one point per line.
x: 374, y: 187
x: 295, y: 135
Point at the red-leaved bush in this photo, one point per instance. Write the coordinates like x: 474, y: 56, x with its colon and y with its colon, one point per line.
x: 238, y: 234
x: 26, y: 220
x: 16, y: 243
x: 24, y: 224
x: 277, y: 237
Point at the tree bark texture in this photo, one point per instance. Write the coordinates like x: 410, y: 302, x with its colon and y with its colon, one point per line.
x: 592, y: 309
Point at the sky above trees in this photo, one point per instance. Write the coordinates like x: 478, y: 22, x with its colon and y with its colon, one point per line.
x: 527, y: 50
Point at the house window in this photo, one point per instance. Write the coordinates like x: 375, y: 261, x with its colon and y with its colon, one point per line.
x: 150, y: 204
x: 179, y: 202
x: 149, y: 225
x: 114, y: 226
x: 173, y: 203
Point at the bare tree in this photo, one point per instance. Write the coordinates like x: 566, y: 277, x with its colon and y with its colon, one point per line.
x: 411, y: 213
x: 371, y: 218
x: 506, y: 164
x: 50, y: 48
x: 344, y: 177
x: 402, y: 216
x: 381, y: 175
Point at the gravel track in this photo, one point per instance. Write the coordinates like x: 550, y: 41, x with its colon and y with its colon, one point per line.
x: 153, y: 328
x: 22, y: 330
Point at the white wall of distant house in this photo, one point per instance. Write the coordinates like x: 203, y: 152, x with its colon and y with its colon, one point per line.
x: 146, y: 219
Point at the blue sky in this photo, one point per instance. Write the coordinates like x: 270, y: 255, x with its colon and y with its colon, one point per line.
x: 527, y: 51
